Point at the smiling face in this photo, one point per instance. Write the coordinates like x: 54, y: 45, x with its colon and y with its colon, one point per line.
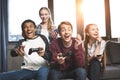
x: 93, y: 32
x: 65, y: 31
x: 44, y: 15
x: 29, y: 30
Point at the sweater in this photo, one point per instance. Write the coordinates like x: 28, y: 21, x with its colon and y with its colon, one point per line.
x: 71, y: 62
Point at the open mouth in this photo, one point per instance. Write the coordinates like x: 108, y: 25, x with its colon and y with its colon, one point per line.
x: 95, y: 35
x: 29, y: 33
x: 67, y: 37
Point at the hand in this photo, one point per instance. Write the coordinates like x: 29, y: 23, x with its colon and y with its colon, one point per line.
x: 99, y: 39
x: 20, y: 50
x: 41, y: 51
x: 60, y: 58
x: 99, y: 57
x: 78, y: 41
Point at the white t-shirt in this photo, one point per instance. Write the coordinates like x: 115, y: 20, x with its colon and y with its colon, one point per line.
x: 33, y: 61
x: 92, y: 49
x: 45, y: 32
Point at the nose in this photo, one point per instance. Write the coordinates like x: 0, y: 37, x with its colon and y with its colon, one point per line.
x: 66, y: 31
x: 29, y: 28
x: 96, y: 30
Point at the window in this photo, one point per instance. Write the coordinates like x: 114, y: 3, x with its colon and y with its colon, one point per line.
x: 94, y: 12
x: 115, y: 16
x: 65, y: 10
x: 20, y: 10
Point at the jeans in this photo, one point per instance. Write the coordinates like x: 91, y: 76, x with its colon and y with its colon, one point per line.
x: 25, y: 74
x: 77, y: 74
x: 42, y: 73
x: 94, y: 69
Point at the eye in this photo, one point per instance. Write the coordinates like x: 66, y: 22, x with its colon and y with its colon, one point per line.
x: 62, y: 30
x: 69, y: 29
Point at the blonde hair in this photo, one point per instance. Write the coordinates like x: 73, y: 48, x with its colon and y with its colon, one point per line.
x: 50, y: 21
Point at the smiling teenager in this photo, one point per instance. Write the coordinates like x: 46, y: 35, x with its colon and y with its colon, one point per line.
x: 70, y: 66
x: 35, y: 65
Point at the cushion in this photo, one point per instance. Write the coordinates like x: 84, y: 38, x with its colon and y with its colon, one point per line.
x: 114, y: 52
x: 108, y: 56
x: 112, y: 72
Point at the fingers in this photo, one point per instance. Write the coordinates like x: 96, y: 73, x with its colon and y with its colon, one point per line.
x: 60, y: 59
x: 99, y: 39
x: 41, y: 52
x: 78, y: 41
x: 78, y: 38
x: 20, y: 50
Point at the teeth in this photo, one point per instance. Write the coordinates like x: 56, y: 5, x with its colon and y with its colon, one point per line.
x: 29, y: 32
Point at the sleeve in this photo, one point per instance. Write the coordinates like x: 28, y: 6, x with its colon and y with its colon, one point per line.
x: 47, y: 54
x: 102, y: 47
x: 54, y: 51
x: 79, y: 57
x: 38, y: 29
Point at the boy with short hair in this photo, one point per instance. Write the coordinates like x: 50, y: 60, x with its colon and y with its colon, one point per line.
x: 33, y: 50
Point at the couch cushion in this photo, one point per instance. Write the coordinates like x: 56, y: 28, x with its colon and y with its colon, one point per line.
x: 108, y: 56
x: 111, y: 72
x: 115, y: 52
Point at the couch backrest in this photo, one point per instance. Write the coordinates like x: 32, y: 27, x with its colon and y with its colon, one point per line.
x: 113, y: 52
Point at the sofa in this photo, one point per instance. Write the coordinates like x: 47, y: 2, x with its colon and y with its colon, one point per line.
x: 112, y: 60
x: 112, y: 70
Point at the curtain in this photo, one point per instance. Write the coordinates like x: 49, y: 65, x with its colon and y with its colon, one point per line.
x: 3, y: 35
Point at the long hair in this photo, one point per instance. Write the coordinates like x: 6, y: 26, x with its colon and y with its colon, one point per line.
x: 50, y: 21
x: 86, y: 43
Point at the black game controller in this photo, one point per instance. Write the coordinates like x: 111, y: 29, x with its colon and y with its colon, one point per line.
x: 67, y: 54
x: 34, y: 50
x: 99, y: 55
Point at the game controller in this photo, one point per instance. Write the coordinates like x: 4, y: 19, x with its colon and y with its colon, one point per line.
x: 34, y: 50
x: 66, y: 54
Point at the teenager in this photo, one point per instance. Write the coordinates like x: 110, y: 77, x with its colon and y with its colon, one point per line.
x: 35, y: 64
x: 94, y: 46
x: 67, y: 55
